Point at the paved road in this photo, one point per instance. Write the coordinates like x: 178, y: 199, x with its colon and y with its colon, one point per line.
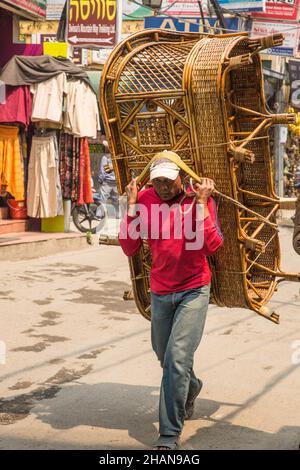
x: 80, y: 373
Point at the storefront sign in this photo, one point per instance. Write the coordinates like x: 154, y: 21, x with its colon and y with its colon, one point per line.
x: 243, y: 5
x: 294, y: 72
x: 38, y: 27
x: 47, y: 38
x: 55, y: 49
x: 54, y: 9
x: 34, y: 7
x: 92, y: 23
x: 101, y: 56
x: 80, y: 56
x: 291, y: 35
x: 130, y: 27
x: 280, y: 10
x: 183, y: 8
x: 190, y: 25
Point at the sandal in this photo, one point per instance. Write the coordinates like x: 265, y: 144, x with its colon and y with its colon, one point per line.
x: 190, y: 402
x: 170, y: 442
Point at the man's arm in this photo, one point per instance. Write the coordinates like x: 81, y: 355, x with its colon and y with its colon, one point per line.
x: 213, y: 238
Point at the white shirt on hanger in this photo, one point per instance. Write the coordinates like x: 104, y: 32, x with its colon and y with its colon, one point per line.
x: 82, y: 114
x: 48, y: 99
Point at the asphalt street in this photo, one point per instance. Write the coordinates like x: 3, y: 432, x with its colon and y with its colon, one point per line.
x: 78, y: 371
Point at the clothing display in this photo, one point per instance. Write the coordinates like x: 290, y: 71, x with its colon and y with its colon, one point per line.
x: 85, y: 194
x: 11, y: 165
x: 74, y: 169
x: 17, y: 106
x: 48, y: 99
x: 44, y: 198
x: 69, y: 166
x: 82, y: 115
x: 38, y: 159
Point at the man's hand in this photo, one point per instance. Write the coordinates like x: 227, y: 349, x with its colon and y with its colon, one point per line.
x: 132, y: 192
x: 204, y: 190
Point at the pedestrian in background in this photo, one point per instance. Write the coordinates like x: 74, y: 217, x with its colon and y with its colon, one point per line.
x: 107, y: 180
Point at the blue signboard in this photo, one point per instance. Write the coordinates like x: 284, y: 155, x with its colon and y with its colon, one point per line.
x: 188, y: 25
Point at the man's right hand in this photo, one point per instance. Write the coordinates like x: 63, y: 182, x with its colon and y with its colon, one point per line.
x: 132, y: 192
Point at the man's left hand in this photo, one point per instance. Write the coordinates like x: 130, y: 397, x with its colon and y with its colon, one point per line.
x: 204, y: 190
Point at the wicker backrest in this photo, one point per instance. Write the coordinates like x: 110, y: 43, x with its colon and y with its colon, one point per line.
x: 202, y: 97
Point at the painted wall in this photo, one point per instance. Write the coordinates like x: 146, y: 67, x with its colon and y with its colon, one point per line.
x: 7, y: 48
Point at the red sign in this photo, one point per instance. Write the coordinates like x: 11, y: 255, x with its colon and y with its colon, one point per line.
x: 92, y: 22
x: 36, y: 7
x: 279, y: 10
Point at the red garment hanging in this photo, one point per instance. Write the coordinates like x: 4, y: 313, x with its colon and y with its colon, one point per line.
x: 17, y: 106
x: 85, y: 194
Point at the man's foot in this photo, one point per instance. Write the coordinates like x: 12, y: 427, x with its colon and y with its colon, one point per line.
x: 190, y: 402
x: 167, y: 443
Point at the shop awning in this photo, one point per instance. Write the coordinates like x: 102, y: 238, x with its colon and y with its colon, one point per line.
x: 31, y: 9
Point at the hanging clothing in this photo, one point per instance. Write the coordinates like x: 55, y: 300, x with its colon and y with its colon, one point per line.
x: 85, y: 194
x: 81, y: 117
x: 17, y: 106
x: 48, y: 99
x: 69, y: 166
x: 24, y: 153
x: 22, y: 70
x: 11, y: 165
x: 44, y: 197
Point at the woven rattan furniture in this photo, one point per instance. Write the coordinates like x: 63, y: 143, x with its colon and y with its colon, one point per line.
x: 202, y: 97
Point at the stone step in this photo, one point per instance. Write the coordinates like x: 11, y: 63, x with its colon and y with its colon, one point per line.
x: 28, y: 245
x: 16, y: 225
x: 4, y: 214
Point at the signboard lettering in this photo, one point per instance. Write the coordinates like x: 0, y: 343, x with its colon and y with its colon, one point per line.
x: 92, y: 22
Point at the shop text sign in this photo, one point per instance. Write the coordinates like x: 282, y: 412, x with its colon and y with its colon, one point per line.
x: 183, y: 8
x: 92, y: 22
x: 54, y: 9
x: 188, y: 25
x: 243, y: 5
x: 280, y: 10
x: 290, y: 33
x: 36, y: 7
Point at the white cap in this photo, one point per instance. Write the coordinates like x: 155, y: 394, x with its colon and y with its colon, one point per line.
x: 164, y: 168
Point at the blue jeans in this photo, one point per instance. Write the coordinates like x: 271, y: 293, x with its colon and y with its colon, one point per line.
x: 177, y: 323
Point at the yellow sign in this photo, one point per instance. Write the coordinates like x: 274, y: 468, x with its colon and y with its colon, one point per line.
x: 56, y: 49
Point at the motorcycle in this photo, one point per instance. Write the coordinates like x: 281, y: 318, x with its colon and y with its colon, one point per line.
x: 89, y: 217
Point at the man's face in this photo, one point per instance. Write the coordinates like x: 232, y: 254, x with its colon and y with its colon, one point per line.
x: 167, y: 189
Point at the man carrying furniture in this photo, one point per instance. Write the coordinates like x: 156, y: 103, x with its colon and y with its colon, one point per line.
x: 182, y: 230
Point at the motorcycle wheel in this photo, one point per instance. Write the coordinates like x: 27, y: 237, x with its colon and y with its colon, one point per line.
x: 89, y: 217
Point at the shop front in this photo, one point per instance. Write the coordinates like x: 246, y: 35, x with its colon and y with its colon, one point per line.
x: 49, y: 113
x: 31, y: 9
